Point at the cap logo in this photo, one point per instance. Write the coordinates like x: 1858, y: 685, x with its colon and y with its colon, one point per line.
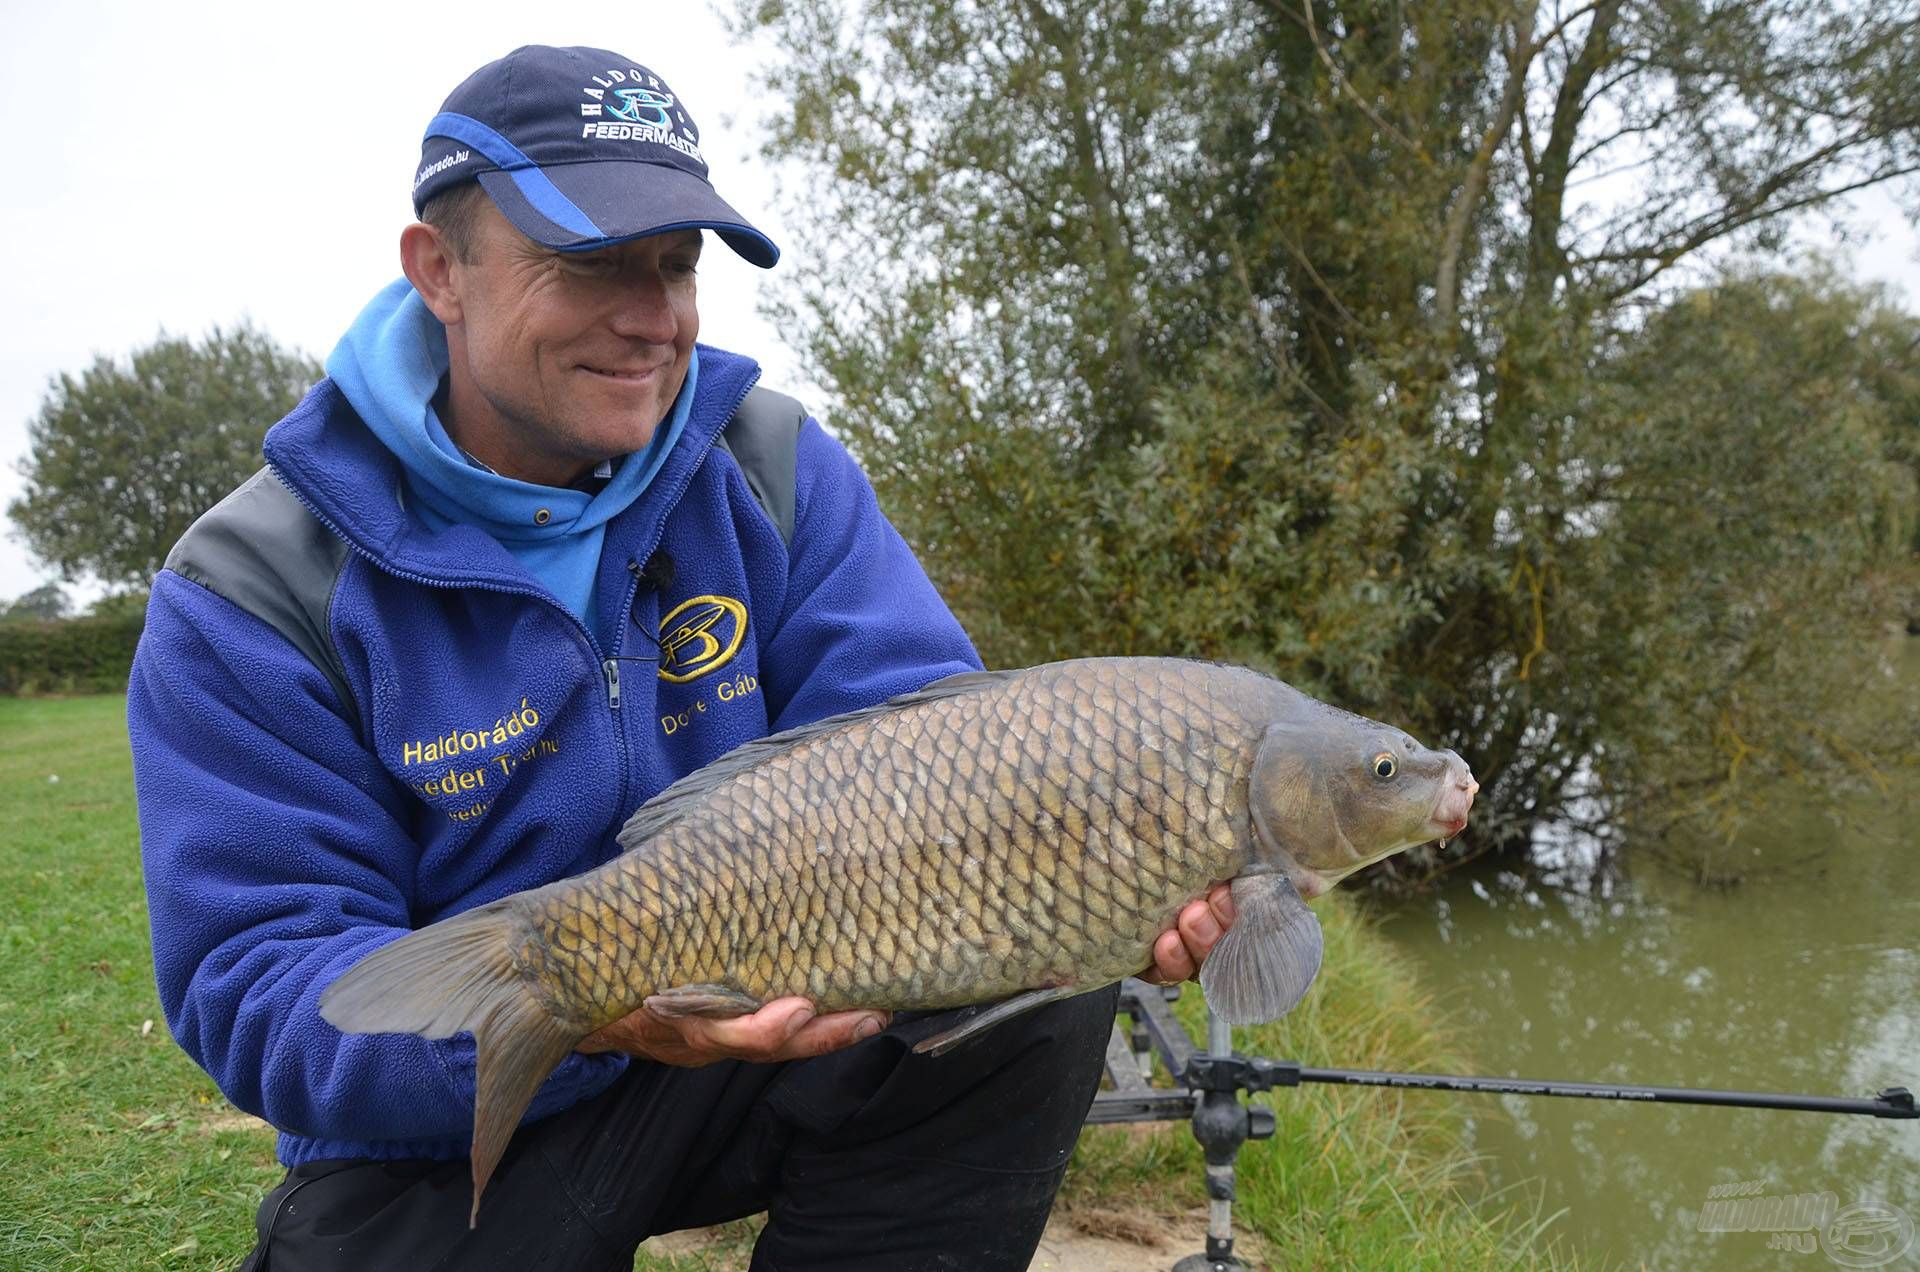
x: 645, y: 112
x: 642, y: 106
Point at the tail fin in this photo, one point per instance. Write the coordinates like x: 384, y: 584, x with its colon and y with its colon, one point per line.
x: 458, y: 976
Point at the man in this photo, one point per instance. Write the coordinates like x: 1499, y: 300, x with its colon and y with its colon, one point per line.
x: 525, y: 557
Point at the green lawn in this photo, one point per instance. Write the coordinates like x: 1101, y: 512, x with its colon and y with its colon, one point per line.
x: 116, y: 1152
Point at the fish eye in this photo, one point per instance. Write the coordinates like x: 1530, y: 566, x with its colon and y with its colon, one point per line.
x: 1384, y: 765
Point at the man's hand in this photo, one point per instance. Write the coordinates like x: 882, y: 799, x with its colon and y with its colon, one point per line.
x: 784, y: 1029
x: 1180, y: 950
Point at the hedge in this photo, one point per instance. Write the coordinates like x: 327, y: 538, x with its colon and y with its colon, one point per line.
x: 71, y: 655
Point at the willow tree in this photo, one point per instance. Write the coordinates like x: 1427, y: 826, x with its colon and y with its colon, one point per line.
x: 1325, y: 337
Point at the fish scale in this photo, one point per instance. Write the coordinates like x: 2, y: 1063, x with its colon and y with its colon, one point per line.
x: 788, y: 848
x: 1003, y: 837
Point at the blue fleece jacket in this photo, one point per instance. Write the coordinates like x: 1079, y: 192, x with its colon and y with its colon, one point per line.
x: 486, y: 741
x: 389, y: 365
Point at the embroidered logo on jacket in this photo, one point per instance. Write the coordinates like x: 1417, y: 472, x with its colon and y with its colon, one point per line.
x: 699, y: 636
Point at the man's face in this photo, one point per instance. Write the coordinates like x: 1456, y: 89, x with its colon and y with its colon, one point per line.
x: 563, y: 359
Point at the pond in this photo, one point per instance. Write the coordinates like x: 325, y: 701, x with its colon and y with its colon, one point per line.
x: 1804, y: 980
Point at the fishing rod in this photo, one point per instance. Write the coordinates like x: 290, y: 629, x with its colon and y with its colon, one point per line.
x: 1894, y: 1102
x: 1208, y: 1085
x: 1219, y: 1069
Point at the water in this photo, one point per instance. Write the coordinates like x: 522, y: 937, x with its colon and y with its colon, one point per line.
x: 1804, y: 983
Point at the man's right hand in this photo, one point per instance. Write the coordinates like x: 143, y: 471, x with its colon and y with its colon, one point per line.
x: 784, y: 1029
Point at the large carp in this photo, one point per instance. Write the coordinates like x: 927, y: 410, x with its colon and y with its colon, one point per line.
x: 1012, y: 837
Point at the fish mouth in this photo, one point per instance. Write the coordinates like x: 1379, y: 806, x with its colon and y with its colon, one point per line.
x: 1449, y: 816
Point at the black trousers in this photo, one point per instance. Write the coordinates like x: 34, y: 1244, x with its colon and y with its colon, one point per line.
x: 869, y: 1158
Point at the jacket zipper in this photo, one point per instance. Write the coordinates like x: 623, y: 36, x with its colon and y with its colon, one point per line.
x: 387, y: 567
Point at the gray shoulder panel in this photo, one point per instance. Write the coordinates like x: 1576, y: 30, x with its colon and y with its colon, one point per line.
x: 764, y: 439
x: 262, y: 550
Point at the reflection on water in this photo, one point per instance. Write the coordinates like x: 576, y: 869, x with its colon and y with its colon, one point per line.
x: 1804, y: 984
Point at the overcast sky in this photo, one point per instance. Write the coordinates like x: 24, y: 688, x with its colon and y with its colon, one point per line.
x: 181, y: 165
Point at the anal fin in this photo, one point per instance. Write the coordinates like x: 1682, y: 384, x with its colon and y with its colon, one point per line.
x: 1266, y: 961
x: 1007, y: 1008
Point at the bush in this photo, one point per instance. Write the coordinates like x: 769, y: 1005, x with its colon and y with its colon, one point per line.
x: 74, y: 655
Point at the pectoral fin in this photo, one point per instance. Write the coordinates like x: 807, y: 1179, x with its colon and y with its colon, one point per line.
x: 1268, y: 958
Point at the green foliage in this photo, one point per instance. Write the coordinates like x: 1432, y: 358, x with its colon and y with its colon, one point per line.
x: 125, y: 456
x: 74, y: 655
x: 1274, y: 333
x: 47, y: 601
x: 120, y: 605
x: 1752, y: 484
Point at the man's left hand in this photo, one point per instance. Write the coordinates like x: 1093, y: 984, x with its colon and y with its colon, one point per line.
x: 1182, y: 948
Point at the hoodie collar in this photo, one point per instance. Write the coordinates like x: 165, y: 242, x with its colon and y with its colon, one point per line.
x: 391, y: 363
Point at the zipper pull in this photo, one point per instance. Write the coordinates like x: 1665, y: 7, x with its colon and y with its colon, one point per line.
x: 612, y: 670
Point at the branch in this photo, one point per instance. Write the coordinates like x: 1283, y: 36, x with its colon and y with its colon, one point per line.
x: 1340, y: 81
x: 1545, y: 261
x: 1666, y: 258
x: 1453, y: 239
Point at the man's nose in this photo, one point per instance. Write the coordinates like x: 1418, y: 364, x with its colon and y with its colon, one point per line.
x: 646, y: 311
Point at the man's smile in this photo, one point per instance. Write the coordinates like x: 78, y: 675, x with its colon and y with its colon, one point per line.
x: 625, y: 374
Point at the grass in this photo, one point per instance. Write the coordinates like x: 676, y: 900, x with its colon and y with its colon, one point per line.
x: 116, y: 1152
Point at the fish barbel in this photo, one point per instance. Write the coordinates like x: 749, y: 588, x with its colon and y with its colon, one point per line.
x: 1019, y: 836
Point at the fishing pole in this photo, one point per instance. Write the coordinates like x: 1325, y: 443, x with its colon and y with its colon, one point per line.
x: 1256, y: 1073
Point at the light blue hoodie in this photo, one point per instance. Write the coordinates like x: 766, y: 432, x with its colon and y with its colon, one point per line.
x: 389, y: 366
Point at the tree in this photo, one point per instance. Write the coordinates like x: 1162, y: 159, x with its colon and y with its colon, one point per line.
x: 48, y: 601
x: 124, y: 457
x: 1279, y: 332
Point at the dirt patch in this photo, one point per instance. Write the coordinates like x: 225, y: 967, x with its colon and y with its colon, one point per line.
x: 230, y: 1120
x: 1084, y: 1239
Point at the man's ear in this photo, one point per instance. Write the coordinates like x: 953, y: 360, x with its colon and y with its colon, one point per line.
x: 428, y: 261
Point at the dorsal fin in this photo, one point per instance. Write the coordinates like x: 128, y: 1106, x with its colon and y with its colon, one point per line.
x: 680, y: 798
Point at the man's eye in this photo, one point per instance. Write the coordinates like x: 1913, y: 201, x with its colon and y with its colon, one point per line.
x: 588, y: 266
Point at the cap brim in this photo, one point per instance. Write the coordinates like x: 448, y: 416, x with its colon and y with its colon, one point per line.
x: 576, y: 207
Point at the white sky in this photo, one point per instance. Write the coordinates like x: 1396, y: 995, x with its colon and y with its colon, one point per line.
x: 174, y: 166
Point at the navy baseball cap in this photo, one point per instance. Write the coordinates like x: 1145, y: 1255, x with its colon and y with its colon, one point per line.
x: 579, y: 148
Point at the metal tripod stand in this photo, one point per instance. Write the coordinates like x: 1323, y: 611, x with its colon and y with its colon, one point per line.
x: 1207, y: 1093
